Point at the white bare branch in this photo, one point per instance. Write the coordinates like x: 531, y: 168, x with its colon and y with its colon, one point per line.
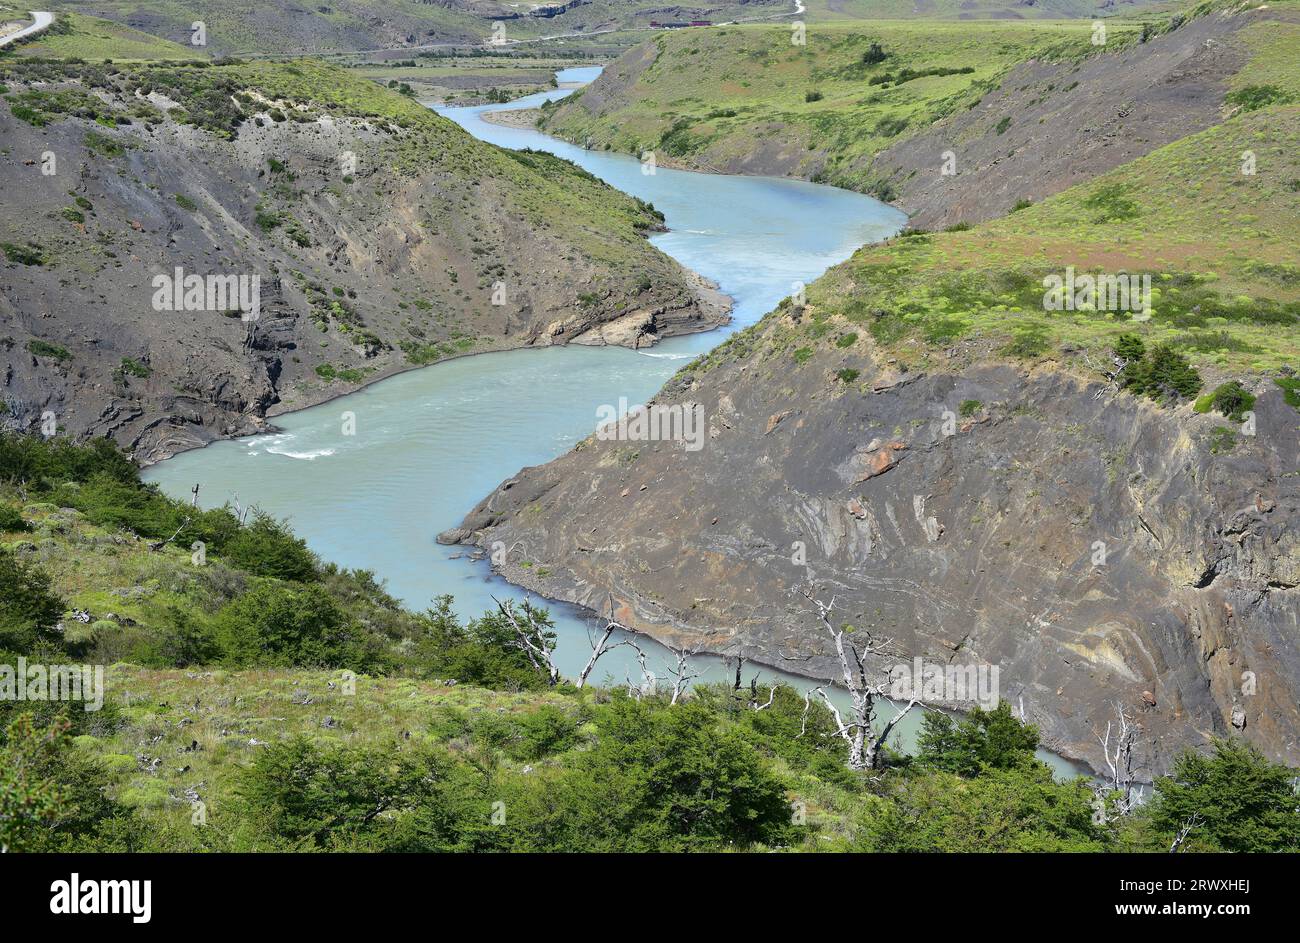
x: 1117, y: 745
x: 530, y: 637
x: 864, y: 690
x: 682, y: 673
x: 600, y: 645
x: 1190, y: 824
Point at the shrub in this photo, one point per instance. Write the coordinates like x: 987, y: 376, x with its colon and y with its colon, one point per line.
x: 30, y: 254
x: 29, y: 608
x: 42, y: 464
x: 1230, y: 399
x: 980, y: 741
x: 659, y: 779
x: 812, y: 96
x: 483, y: 652
x: 1112, y: 204
x: 327, y: 797
x: 11, y: 521
x: 529, y: 737
x: 1020, y: 810
x: 134, y: 368
x: 1244, y: 801
x: 1254, y: 97
x: 891, y: 127
x: 267, y: 547
x: 103, y: 144
x: 1163, y: 374
x: 1130, y: 347
x: 1290, y: 387
x: 283, y: 624
x: 44, y: 349
x: 1026, y: 342
x: 882, y: 190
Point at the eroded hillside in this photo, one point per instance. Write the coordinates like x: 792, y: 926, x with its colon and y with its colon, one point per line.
x: 380, y: 235
x: 950, y: 123
x: 978, y: 476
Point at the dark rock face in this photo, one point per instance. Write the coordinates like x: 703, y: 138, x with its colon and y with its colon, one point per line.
x: 1093, y: 548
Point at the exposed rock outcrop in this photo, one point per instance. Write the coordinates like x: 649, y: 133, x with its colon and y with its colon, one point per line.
x: 1093, y: 548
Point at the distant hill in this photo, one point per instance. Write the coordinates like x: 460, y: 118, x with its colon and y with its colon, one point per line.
x: 239, y: 27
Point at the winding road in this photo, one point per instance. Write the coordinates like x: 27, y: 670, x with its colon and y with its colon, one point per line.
x: 40, y: 22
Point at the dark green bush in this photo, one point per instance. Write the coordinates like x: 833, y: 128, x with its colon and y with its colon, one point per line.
x: 29, y: 609
x: 1230, y: 399
x: 267, y: 547
x: 52, y: 351
x: 11, y: 521
x: 282, y: 624
x: 1163, y: 374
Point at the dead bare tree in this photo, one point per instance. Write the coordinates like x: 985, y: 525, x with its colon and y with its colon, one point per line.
x: 740, y: 664
x: 1113, y: 374
x: 754, y: 702
x: 1117, y: 745
x: 1190, y: 824
x: 159, y: 544
x: 600, y: 645
x: 649, y: 682
x: 864, y: 692
x: 531, y: 636
x: 681, y: 673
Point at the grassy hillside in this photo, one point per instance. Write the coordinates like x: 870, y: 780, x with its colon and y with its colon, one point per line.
x: 238, y: 27
x: 1219, y: 247
x: 74, y: 34
x: 833, y: 10
x: 845, y: 107
x: 718, y: 98
x: 259, y: 700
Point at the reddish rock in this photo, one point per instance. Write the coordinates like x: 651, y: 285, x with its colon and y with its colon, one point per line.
x: 774, y: 420
x: 879, y: 463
